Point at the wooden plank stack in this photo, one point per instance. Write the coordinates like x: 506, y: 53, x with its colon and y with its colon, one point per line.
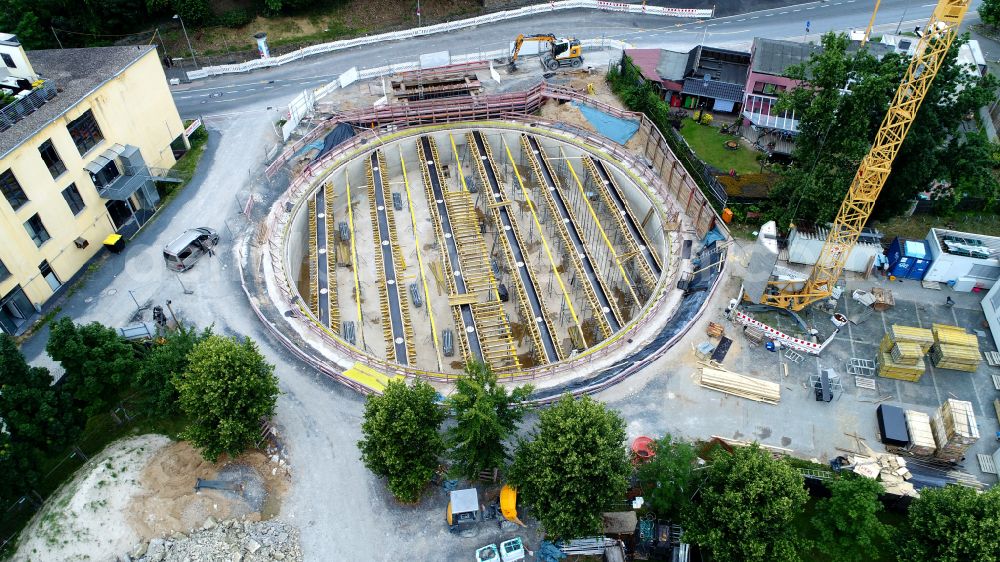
x: 954, y: 429
x: 922, y: 442
x: 954, y: 348
x: 740, y: 385
x: 901, y: 352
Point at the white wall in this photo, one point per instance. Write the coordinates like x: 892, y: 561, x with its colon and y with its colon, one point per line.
x: 949, y: 267
x: 805, y: 250
x: 991, y: 304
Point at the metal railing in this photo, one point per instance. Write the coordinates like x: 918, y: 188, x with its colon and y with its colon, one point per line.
x: 24, y: 106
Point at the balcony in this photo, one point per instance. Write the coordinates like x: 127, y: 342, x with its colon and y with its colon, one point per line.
x: 26, y: 103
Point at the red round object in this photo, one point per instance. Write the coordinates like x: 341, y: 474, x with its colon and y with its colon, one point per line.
x: 642, y: 447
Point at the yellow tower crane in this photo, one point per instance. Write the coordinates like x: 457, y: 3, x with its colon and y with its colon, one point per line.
x: 930, y: 53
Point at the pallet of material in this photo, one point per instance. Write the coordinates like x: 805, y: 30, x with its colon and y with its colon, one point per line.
x: 954, y: 429
x: 954, y: 335
x: 956, y: 357
x: 906, y: 353
x: 740, y: 385
x: 891, y: 370
x: 922, y: 442
x: 920, y: 336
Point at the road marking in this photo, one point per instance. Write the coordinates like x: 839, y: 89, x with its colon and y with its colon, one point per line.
x: 755, y: 17
x: 811, y: 8
x: 782, y: 13
x: 799, y: 10
x: 744, y: 19
x: 768, y: 15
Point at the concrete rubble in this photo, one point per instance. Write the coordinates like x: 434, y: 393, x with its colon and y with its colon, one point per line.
x: 225, y: 541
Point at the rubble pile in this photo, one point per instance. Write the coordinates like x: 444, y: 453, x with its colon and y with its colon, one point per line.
x: 226, y: 541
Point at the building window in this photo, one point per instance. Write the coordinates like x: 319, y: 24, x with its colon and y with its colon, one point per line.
x: 51, y: 158
x: 72, y: 196
x: 85, y: 132
x: 8, y: 61
x: 36, y: 230
x: 12, y: 190
x: 108, y: 174
x: 4, y: 272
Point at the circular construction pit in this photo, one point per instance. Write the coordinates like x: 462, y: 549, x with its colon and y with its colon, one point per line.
x: 525, y: 247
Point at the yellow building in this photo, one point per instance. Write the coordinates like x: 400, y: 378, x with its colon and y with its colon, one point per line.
x: 83, y: 134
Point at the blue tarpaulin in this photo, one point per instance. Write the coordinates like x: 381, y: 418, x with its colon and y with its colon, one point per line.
x: 616, y: 129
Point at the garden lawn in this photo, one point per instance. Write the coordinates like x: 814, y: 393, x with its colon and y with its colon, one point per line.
x: 709, y: 144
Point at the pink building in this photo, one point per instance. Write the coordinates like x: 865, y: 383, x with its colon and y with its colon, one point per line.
x: 770, y: 59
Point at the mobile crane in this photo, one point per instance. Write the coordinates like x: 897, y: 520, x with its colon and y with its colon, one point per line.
x: 871, y: 176
x: 561, y: 52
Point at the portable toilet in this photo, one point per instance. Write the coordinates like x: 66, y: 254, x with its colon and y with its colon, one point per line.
x: 909, y: 259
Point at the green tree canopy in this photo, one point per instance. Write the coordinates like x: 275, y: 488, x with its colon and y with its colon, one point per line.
x: 574, y: 466
x: 486, y: 415
x: 34, y: 413
x: 847, y: 524
x: 98, y: 362
x: 668, y: 479
x: 402, y: 441
x: 745, y: 508
x: 841, y: 103
x: 989, y: 12
x: 971, y: 171
x: 227, y: 390
x: 952, y: 524
x: 166, y: 360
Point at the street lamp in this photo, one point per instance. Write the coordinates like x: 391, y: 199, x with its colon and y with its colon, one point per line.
x: 905, y: 8
x: 178, y: 17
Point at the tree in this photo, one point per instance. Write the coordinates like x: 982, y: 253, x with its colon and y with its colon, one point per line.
x: 194, y: 12
x: 402, y: 441
x: 485, y: 417
x: 847, y: 523
x: 746, y: 506
x: 841, y: 103
x: 35, y: 414
x: 989, y: 12
x: 574, y: 466
x: 98, y: 362
x: 952, y: 524
x: 227, y: 390
x: 971, y: 171
x: 167, y: 360
x: 668, y: 479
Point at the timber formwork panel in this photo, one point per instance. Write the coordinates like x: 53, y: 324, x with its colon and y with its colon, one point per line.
x: 615, y: 199
x: 605, y: 309
x: 313, y: 253
x: 331, y: 244
x: 620, y: 217
x: 537, y: 319
x: 399, y: 264
x: 462, y: 312
x: 383, y: 294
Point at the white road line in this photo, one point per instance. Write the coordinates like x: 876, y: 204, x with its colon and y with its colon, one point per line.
x: 755, y: 18
x: 811, y: 8
x: 744, y: 19
x: 782, y: 13
x: 798, y: 10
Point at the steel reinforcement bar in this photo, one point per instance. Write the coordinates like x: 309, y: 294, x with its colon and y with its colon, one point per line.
x: 537, y: 318
x: 458, y: 295
x: 313, y: 280
x: 605, y: 311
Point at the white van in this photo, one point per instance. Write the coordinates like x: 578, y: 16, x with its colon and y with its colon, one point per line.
x: 182, y: 253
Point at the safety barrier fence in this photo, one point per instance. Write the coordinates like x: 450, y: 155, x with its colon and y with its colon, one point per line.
x: 659, y: 170
x: 445, y: 27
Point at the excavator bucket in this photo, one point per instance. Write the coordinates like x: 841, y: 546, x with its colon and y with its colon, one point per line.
x: 508, y: 504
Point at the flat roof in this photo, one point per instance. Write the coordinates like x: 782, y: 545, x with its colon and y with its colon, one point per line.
x: 77, y: 73
x: 774, y: 56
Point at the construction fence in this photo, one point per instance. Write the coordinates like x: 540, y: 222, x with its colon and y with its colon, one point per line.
x: 487, y: 19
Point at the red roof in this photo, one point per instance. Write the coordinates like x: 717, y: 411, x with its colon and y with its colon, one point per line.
x: 646, y: 60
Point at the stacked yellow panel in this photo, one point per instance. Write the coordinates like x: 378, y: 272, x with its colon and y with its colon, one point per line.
x: 954, y: 348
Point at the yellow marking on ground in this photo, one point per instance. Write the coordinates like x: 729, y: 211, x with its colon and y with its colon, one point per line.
x: 370, y: 378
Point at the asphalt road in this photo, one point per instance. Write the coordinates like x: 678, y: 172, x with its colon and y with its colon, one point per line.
x: 270, y: 89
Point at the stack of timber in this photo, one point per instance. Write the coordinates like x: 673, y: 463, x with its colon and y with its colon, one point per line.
x: 954, y: 348
x: 901, y: 352
x: 740, y: 385
x: 922, y: 442
x: 954, y: 429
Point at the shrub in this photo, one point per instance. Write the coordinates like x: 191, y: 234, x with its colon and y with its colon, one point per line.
x: 237, y: 17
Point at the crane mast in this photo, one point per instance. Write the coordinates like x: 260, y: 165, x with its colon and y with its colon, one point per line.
x: 857, y: 206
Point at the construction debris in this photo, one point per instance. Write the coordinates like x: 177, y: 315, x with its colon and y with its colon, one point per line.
x: 740, y: 385
x: 955, y: 429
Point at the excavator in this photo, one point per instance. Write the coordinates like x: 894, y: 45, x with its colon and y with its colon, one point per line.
x: 932, y: 48
x: 561, y: 52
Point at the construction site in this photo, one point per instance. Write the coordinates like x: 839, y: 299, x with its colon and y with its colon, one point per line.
x: 452, y: 225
